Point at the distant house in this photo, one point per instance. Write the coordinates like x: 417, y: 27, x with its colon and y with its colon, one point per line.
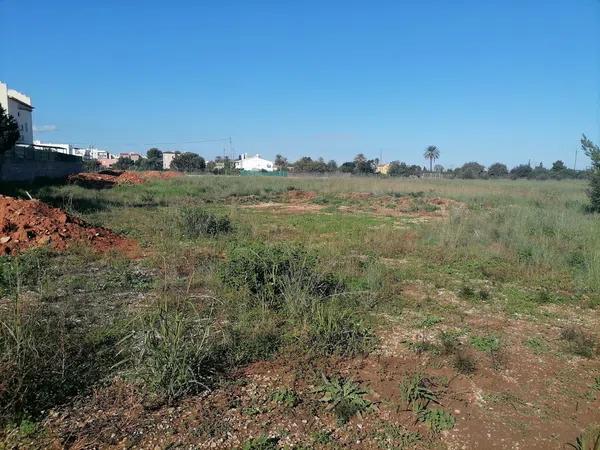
x: 255, y: 163
x: 131, y: 155
x: 167, y: 159
x: 19, y: 106
x: 382, y: 169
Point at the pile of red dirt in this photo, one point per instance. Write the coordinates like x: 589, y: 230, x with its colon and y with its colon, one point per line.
x: 108, y: 178
x: 32, y: 223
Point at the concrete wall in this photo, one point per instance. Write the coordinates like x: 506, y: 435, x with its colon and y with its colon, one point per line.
x: 27, y: 164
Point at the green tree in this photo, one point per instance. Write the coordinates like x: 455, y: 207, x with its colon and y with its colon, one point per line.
x: 362, y: 165
x: 498, y: 170
x: 188, y: 162
x: 154, y: 153
x: 431, y: 153
x: 521, y: 171
x: 593, y: 152
x: 9, y: 131
x: 124, y: 163
x: 332, y: 165
x: 281, y: 162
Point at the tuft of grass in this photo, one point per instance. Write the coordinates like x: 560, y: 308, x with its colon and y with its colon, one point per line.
x: 172, y: 350
x: 464, y: 363
x: 488, y: 344
x: 195, y: 222
x: 588, y: 440
x: 336, y: 330
x: 344, y: 397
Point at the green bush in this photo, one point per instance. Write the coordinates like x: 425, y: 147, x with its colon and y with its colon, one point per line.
x: 265, y: 271
x: 196, y: 222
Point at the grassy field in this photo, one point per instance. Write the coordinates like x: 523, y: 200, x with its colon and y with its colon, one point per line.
x: 308, y: 313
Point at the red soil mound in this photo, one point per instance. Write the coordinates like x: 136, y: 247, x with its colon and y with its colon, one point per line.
x: 31, y: 223
x: 108, y: 178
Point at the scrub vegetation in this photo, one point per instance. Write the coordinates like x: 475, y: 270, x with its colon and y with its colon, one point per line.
x: 272, y: 312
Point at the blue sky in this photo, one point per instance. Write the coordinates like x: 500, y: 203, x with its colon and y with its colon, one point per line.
x: 490, y: 81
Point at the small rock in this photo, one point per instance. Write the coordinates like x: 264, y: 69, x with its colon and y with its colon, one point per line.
x: 4, y: 239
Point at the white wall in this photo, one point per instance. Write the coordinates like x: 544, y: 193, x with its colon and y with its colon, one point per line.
x: 19, y: 106
x: 255, y: 163
x: 167, y: 159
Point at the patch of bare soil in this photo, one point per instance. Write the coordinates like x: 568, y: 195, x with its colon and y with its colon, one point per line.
x: 109, y: 178
x: 413, y: 209
x: 32, y: 223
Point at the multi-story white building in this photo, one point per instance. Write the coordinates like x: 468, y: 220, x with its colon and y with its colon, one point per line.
x: 19, y: 106
x: 253, y: 163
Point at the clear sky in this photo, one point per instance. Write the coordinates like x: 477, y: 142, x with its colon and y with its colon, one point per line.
x: 490, y: 81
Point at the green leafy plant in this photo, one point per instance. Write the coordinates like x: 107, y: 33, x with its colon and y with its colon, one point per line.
x: 286, y: 397
x: 344, y: 397
x: 488, y: 344
x: 262, y: 442
x: 437, y: 419
x: 417, y: 392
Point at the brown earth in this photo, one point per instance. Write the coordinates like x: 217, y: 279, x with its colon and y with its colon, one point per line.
x: 109, y: 178
x: 421, y: 208
x: 32, y: 223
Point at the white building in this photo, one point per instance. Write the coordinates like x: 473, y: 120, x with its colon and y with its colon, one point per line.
x: 19, y: 106
x: 253, y: 163
x: 168, y: 159
x: 67, y: 149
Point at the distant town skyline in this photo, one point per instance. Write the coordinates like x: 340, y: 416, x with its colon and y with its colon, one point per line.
x: 483, y: 81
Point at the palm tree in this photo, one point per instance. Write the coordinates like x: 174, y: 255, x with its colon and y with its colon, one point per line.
x: 431, y: 153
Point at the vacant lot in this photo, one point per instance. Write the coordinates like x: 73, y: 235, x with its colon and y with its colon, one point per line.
x: 308, y: 313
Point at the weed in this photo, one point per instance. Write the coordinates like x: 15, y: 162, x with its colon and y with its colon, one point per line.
x: 437, y: 419
x: 286, y: 397
x: 430, y: 321
x: 449, y: 342
x: 537, y: 345
x: 466, y: 292
x: 172, y: 350
x: 196, y: 222
x: 336, y: 330
x: 322, y: 437
x: 578, y: 342
x: 417, y: 392
x: 588, y: 440
x: 265, y: 271
x: 394, y: 437
x: 488, y: 344
x: 262, y: 442
x: 344, y: 397
x: 464, y: 363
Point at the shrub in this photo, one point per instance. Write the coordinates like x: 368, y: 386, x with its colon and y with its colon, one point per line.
x: 265, y: 271
x: 262, y: 442
x: 344, y: 397
x: 335, y: 330
x: 196, y: 222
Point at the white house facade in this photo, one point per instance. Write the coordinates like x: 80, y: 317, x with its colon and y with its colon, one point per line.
x: 19, y: 106
x: 255, y: 163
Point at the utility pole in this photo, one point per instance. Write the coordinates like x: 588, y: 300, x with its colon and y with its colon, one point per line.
x: 575, y: 163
